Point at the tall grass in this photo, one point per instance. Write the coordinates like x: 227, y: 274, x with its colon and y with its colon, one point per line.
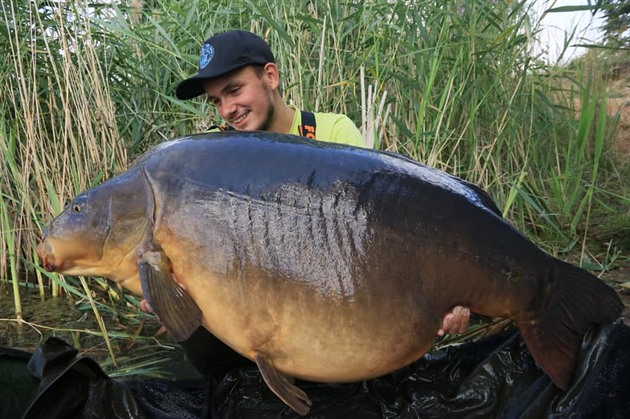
x: 60, y: 132
x: 451, y: 84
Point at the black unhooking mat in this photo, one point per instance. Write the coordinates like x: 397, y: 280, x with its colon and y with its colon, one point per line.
x: 492, y: 378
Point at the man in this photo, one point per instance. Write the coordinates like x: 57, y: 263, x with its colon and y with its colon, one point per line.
x: 238, y: 74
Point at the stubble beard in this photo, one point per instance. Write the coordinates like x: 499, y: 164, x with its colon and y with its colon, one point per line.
x: 271, y: 112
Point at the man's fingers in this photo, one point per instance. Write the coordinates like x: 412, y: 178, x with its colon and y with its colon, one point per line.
x: 464, y: 319
x: 447, y: 324
x: 456, y: 321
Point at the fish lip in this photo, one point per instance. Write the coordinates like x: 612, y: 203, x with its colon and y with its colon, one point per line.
x: 50, y: 267
x: 43, y: 250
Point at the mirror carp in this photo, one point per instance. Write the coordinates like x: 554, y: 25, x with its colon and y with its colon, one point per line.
x: 319, y: 261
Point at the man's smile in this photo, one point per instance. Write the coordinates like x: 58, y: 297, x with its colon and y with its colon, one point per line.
x: 240, y: 119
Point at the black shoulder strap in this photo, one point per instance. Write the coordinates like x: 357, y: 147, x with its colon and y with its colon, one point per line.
x: 307, y: 129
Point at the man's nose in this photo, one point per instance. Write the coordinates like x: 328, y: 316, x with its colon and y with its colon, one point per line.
x: 227, y: 108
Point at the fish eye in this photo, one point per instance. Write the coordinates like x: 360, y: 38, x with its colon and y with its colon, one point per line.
x: 77, y: 207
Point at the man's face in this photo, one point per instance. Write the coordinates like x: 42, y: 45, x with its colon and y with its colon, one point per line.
x: 243, y: 98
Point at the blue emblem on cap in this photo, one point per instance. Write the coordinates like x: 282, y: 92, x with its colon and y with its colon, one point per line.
x: 205, y: 56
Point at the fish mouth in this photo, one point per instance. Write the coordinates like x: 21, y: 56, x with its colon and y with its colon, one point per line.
x: 44, y: 251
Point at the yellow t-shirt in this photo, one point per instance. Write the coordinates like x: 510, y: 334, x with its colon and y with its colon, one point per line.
x: 330, y: 127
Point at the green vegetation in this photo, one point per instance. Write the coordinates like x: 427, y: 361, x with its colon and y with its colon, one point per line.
x: 85, y: 88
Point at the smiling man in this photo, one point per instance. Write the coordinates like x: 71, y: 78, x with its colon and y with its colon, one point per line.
x: 237, y: 72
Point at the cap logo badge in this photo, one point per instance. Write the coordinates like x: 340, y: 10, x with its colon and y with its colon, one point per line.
x: 206, y: 55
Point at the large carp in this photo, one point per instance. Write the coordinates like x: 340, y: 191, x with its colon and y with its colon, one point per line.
x: 318, y: 261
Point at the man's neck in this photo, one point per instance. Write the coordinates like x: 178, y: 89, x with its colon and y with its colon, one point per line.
x: 283, y: 118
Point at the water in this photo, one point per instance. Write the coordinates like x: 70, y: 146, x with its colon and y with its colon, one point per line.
x: 138, y: 344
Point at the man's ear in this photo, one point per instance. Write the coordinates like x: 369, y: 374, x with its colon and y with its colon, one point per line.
x: 272, y: 75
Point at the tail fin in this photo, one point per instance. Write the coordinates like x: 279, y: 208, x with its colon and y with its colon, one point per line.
x: 555, y: 338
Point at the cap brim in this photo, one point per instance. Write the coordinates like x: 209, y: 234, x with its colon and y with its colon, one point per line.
x: 190, y: 88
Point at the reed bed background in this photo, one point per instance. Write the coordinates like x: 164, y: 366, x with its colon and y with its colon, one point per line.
x: 87, y: 87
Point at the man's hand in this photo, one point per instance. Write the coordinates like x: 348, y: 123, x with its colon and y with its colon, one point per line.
x: 144, y: 306
x: 456, y: 321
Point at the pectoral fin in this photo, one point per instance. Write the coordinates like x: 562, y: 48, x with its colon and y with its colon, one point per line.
x: 175, y: 309
x: 295, y: 398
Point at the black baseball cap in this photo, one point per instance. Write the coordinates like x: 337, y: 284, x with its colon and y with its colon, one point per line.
x: 223, y: 53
